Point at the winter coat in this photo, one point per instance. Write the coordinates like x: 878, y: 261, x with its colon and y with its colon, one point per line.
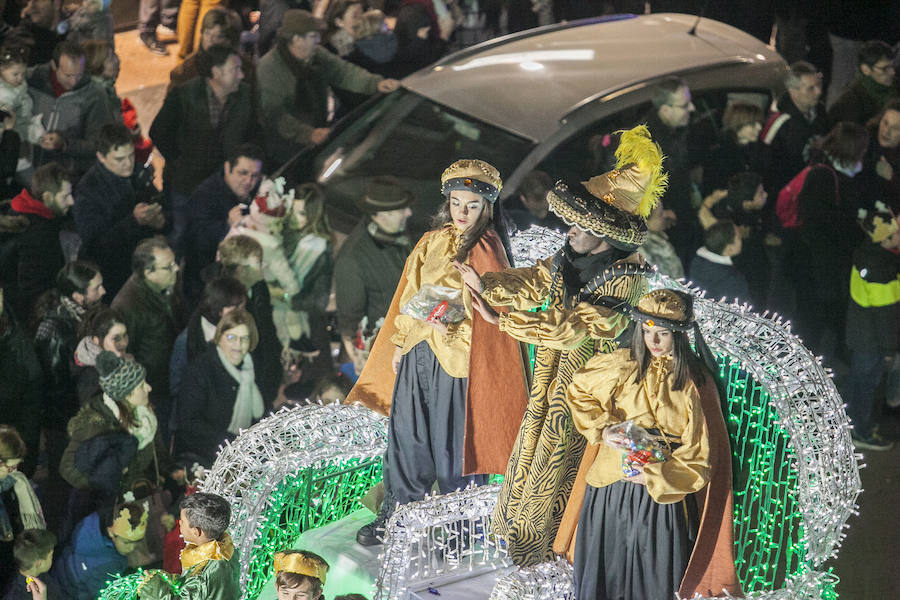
x: 54, y: 343
x: 873, y: 312
x: 100, y: 449
x: 861, y: 100
x: 77, y: 114
x: 376, y: 54
x: 104, y: 215
x: 205, y: 405
x: 366, y: 273
x: 727, y: 158
x: 89, y: 25
x: 287, y: 118
x: 39, y: 41
x: 153, y: 322
x: 85, y: 565
x: 788, y: 139
x: 719, y: 280
x: 21, y: 394
x: 15, y: 100
x: 207, y: 226
x: 189, y: 344
x: 31, y: 258
x: 194, y: 148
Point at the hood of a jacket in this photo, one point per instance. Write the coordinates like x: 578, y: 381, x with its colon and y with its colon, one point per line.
x: 26, y: 205
x: 92, y: 420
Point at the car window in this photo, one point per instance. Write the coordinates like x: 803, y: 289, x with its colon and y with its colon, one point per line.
x: 590, y: 151
x: 415, y: 139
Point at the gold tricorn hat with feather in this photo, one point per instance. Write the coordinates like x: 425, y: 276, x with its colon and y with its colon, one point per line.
x: 614, y: 205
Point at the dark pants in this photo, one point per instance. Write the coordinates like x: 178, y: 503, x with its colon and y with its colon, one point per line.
x: 866, y: 370
x: 156, y: 12
x: 629, y: 547
x: 425, y: 433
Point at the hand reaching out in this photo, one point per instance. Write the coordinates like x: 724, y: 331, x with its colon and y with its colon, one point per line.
x: 487, y: 313
x: 469, y: 275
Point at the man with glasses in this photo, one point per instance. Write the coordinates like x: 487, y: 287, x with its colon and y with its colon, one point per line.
x: 873, y: 87
x: 99, y: 547
x: 669, y: 124
x: 150, y: 308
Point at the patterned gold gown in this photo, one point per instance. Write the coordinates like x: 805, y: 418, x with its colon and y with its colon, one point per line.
x: 567, y: 333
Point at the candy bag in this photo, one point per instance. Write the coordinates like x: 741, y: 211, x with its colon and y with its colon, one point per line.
x: 639, y: 447
x: 436, y: 303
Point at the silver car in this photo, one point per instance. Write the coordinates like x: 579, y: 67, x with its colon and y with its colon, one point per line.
x: 540, y: 99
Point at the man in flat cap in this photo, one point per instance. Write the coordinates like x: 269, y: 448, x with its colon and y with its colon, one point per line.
x: 294, y: 77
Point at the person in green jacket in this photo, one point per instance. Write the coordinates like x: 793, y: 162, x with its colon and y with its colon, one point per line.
x: 210, y: 567
x: 293, y: 80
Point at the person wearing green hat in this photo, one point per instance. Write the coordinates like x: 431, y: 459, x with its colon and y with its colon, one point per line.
x: 294, y: 78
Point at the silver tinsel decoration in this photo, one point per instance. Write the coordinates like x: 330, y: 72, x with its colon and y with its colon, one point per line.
x: 533, y: 244
x: 547, y: 580
x: 438, y: 539
x: 248, y: 471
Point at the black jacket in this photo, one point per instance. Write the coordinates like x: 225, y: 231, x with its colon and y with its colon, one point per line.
x: 857, y: 104
x: 192, y: 146
x: 54, y: 343
x: 21, y: 393
x: 103, y: 210
x: 153, y: 322
x: 207, y: 226
x: 789, y: 142
x: 719, y: 281
x: 208, y: 394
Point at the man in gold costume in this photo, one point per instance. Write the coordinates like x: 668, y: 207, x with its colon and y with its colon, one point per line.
x: 585, y: 292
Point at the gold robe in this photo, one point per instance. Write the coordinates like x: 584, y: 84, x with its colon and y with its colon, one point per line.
x: 567, y: 333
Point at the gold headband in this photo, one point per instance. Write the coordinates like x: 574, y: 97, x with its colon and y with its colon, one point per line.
x: 294, y: 562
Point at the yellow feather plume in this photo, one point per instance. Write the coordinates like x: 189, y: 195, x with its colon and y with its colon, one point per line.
x: 637, y: 148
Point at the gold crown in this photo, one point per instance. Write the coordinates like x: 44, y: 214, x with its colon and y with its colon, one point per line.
x: 295, y: 562
x: 663, y: 304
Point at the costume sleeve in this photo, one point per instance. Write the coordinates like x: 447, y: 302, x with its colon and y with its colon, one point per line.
x: 591, y: 393
x: 413, y: 274
x: 459, y: 331
x: 156, y: 586
x: 523, y: 289
x: 564, y: 329
x: 687, y: 470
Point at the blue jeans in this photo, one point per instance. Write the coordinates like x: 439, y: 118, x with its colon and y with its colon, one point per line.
x: 866, y: 370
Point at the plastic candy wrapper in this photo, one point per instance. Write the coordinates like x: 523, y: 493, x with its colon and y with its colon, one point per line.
x: 436, y: 303
x: 639, y: 447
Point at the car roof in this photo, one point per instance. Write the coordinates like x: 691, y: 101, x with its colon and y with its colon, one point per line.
x: 528, y: 82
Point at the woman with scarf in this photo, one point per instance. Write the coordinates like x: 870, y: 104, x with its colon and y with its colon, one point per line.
x: 219, y: 395
x: 114, y: 443
x: 19, y: 506
x: 636, y: 530
x: 460, y: 386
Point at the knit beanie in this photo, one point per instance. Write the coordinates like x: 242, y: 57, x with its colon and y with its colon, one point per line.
x: 118, y: 376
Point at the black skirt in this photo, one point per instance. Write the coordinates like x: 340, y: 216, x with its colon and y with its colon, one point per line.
x: 628, y: 546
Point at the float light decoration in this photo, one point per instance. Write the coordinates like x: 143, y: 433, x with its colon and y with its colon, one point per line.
x: 298, y: 469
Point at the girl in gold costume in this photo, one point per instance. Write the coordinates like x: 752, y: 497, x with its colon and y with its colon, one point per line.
x: 636, y: 533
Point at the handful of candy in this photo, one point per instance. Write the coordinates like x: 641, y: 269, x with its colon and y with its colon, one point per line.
x: 436, y: 303
x: 639, y: 447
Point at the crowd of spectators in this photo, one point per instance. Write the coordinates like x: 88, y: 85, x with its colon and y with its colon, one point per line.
x: 143, y: 327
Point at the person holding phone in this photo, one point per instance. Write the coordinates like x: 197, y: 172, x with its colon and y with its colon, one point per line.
x: 116, y: 206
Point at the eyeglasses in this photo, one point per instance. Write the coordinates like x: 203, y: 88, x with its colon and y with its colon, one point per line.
x: 168, y: 267
x: 243, y: 339
x: 11, y: 464
x: 884, y: 68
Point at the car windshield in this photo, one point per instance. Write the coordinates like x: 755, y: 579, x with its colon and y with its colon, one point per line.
x: 408, y: 136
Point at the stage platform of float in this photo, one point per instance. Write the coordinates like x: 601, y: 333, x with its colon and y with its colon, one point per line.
x: 355, y: 568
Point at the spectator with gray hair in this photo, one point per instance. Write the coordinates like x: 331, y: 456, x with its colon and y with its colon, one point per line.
x: 799, y: 117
